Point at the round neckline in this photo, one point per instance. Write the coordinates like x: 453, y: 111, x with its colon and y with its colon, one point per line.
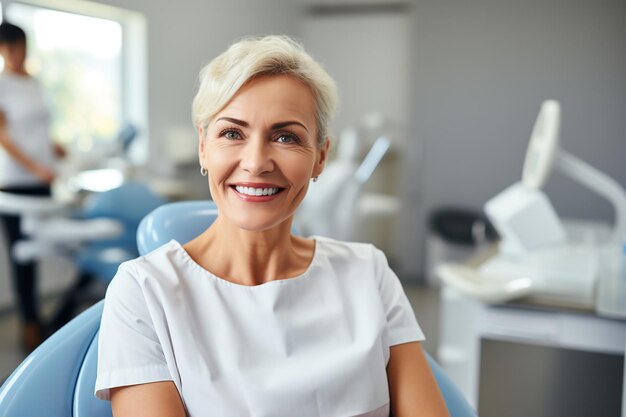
x: 188, y: 259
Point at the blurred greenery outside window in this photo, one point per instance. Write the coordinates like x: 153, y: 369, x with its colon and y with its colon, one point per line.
x: 78, y: 59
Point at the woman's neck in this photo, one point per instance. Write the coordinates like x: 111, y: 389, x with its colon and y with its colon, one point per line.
x: 251, y: 258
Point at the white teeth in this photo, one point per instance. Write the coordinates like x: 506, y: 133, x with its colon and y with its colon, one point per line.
x: 256, y: 191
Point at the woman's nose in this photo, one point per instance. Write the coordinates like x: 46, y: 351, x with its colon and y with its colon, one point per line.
x: 256, y: 158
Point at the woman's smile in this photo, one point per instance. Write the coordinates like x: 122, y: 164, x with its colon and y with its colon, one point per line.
x: 256, y: 192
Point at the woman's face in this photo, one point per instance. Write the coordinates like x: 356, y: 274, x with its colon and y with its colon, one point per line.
x: 260, y: 152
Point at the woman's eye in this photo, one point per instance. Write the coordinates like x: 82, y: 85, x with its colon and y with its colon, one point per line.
x: 231, y: 134
x: 287, y: 139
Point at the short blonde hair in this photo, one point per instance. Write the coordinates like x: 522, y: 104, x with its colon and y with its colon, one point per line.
x: 222, y: 78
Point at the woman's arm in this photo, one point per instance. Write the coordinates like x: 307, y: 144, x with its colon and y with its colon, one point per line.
x: 412, y: 386
x: 156, y: 399
x: 42, y: 172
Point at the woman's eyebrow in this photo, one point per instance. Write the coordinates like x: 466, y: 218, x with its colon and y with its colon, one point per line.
x: 280, y: 125
x: 233, y: 120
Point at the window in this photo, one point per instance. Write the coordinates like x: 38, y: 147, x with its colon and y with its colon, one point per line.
x: 81, y: 60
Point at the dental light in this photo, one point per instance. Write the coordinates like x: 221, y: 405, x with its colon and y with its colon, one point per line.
x: 544, y: 154
x: 539, y: 255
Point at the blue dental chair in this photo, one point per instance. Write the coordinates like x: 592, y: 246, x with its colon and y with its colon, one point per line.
x: 127, y: 204
x: 58, y: 379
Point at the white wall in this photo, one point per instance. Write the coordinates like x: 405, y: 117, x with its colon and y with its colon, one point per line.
x: 482, y: 70
x: 371, y: 71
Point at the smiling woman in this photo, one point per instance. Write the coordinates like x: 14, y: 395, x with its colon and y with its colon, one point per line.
x: 248, y: 319
x: 263, y: 140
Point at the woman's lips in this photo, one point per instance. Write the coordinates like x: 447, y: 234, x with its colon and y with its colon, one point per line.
x: 256, y: 192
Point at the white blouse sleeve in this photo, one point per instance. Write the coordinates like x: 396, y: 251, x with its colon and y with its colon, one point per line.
x: 401, y: 323
x: 129, y: 351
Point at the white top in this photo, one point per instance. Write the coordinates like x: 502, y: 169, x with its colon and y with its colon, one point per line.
x: 27, y: 117
x: 316, y: 345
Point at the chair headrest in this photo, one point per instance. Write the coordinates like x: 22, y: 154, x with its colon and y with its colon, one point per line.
x: 181, y: 221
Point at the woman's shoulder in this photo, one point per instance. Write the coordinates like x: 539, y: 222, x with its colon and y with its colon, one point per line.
x: 334, y: 243
x: 349, y: 251
x: 146, y: 281
x: 158, y: 266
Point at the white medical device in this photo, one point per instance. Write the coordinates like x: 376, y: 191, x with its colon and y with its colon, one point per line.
x: 570, y: 262
x: 49, y: 229
x: 336, y: 204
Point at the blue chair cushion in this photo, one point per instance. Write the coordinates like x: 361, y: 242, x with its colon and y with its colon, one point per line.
x: 85, y: 403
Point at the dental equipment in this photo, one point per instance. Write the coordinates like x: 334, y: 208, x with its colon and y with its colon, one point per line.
x: 336, y: 203
x: 540, y: 256
x: 96, y: 237
x: 49, y: 228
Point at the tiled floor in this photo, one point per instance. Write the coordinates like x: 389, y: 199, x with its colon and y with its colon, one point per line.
x: 425, y: 303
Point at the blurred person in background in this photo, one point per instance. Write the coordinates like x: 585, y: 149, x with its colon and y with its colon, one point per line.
x: 27, y: 159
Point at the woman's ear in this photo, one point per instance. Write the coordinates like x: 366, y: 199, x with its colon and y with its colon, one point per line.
x: 322, y: 155
x: 201, y: 147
